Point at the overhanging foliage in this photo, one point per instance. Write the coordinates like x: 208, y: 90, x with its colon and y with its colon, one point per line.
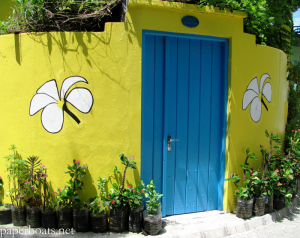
x: 59, y: 15
x: 270, y: 20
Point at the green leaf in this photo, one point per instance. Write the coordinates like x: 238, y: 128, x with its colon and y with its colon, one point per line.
x: 115, y: 186
x: 80, y: 8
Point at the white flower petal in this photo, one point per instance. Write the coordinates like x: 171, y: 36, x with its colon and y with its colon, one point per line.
x: 52, y: 118
x: 253, y: 85
x: 267, y: 92
x: 81, y: 98
x: 49, y: 88
x: 255, y: 109
x: 249, y: 96
x: 263, y: 79
x: 38, y: 102
x: 68, y: 82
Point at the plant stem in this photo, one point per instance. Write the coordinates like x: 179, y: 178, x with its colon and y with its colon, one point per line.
x: 15, y: 187
x: 236, y: 184
x: 269, y: 158
x: 244, y: 173
x: 123, y: 180
x: 45, y: 195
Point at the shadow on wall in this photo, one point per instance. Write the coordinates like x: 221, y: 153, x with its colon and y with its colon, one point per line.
x: 137, y: 177
x: 81, y: 42
x: 230, y: 186
x: 18, y: 48
x: 88, y: 189
x: 2, y: 191
x: 79, y: 45
x: 117, y: 177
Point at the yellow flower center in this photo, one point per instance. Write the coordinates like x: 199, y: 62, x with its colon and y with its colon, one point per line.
x: 60, y: 103
x: 260, y: 95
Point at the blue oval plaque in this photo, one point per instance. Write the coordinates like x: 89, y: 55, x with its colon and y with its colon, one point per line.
x: 190, y: 21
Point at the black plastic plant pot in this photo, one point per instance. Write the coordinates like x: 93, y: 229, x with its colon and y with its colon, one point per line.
x: 49, y: 219
x: 33, y: 217
x: 244, y: 208
x: 269, y: 204
x: 297, y: 185
x: 18, y: 215
x: 81, y: 220
x: 259, y: 205
x: 5, y: 215
x: 152, y: 223
x: 294, y: 192
x: 279, y: 202
x: 136, y: 220
x: 65, y: 218
x: 127, y: 211
x: 118, y: 220
x: 99, y: 222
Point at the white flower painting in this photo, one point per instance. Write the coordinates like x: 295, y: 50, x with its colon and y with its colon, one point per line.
x: 54, y: 106
x: 255, y: 95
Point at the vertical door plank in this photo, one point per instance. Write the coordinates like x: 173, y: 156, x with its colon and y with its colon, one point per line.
x: 215, y: 139
x: 205, y: 118
x: 193, y: 127
x: 170, y: 123
x: 158, y: 112
x: 148, y: 72
x: 224, y: 89
x: 182, y: 123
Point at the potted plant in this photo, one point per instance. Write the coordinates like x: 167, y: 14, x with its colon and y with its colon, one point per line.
x: 152, y: 214
x: 65, y: 212
x: 81, y: 214
x: 260, y: 183
x: 36, y: 177
x: 281, y: 171
x: 282, y: 191
x: 49, y: 218
x: 5, y: 210
x: 5, y: 214
x: 117, y: 201
x: 81, y: 218
x: 68, y: 198
x: 259, y: 193
x: 135, y: 198
x: 118, y: 219
x: 245, y: 192
x: 99, y: 222
x: 17, y: 174
x: 264, y: 191
x: 270, y: 183
x: 283, y: 186
x: 294, y: 156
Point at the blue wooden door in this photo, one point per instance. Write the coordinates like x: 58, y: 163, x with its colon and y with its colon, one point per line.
x: 184, y: 105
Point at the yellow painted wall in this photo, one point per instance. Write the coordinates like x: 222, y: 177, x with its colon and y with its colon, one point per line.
x: 111, y: 127
x: 5, y: 9
x: 111, y: 63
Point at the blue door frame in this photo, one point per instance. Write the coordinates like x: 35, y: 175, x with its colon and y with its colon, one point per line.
x: 184, y: 96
